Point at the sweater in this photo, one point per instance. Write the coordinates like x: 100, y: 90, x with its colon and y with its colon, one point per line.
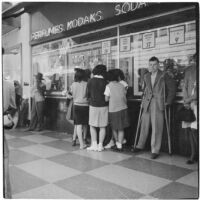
x: 95, y: 92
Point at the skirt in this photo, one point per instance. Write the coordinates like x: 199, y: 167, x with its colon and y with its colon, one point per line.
x: 81, y: 115
x: 98, y: 116
x: 119, y: 120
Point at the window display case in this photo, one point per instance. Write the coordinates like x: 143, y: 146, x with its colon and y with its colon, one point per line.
x: 129, y: 51
x: 57, y: 60
x: 158, y: 42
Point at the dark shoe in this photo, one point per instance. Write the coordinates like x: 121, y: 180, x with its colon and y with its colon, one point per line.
x: 74, y: 143
x: 29, y: 129
x: 136, y: 150
x: 86, y: 141
x: 114, y: 147
x: 189, y: 162
x: 154, y: 155
x: 38, y: 129
x: 196, y: 158
x: 119, y: 149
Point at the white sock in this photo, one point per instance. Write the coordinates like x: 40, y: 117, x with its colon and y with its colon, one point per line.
x: 94, y: 143
x: 119, y: 145
x: 100, y: 144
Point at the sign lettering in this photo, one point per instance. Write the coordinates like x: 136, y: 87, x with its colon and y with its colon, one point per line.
x: 47, y: 32
x: 94, y: 17
x: 91, y: 18
x: 128, y: 7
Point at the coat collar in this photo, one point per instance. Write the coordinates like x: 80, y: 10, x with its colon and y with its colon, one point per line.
x: 148, y: 79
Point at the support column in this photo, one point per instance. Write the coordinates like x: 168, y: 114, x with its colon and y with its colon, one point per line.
x: 26, y: 55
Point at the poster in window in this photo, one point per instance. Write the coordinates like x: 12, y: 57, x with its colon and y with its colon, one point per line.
x: 148, y: 40
x: 125, y: 44
x: 177, y: 35
x: 106, y: 47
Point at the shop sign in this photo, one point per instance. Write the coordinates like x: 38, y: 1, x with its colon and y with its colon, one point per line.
x: 106, y: 47
x: 119, y: 9
x: 93, y: 17
x: 148, y: 40
x: 125, y: 44
x: 47, y: 32
x: 128, y: 7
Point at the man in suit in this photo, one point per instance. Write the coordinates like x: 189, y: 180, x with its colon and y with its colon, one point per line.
x: 157, y: 84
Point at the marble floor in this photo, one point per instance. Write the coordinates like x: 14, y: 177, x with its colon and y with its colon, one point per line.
x: 44, y: 165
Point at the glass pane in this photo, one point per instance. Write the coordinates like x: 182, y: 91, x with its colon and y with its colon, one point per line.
x: 87, y: 56
x: 159, y: 40
x: 12, y: 64
x: 52, y: 65
x: 58, y: 59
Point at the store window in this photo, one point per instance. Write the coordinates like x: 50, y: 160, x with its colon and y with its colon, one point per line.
x: 176, y: 42
x: 137, y: 44
x: 57, y: 60
x: 12, y: 67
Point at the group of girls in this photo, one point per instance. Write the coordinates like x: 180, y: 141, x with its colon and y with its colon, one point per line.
x: 99, y: 101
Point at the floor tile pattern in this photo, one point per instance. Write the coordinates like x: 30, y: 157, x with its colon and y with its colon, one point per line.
x: 44, y: 165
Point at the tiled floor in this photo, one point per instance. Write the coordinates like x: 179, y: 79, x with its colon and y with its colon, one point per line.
x: 45, y: 166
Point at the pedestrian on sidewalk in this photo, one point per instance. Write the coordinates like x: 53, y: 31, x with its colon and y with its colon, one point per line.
x: 190, y: 101
x: 125, y: 84
x: 115, y: 93
x: 157, y: 85
x: 81, y: 106
x: 9, y: 108
x: 38, y: 100
x: 98, y: 107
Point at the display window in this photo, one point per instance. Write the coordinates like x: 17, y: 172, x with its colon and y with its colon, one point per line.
x: 12, y: 65
x: 120, y: 47
x: 57, y: 60
x: 175, y: 43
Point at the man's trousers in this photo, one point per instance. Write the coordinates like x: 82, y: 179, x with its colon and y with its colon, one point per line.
x: 37, y: 115
x: 154, y: 117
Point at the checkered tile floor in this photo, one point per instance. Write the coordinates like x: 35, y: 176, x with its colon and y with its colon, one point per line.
x: 45, y: 165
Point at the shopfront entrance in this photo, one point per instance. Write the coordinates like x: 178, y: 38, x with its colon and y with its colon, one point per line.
x: 125, y: 40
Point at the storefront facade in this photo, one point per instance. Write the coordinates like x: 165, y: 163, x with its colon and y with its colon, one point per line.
x: 119, y: 35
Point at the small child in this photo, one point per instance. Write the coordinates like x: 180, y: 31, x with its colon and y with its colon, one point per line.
x: 115, y: 93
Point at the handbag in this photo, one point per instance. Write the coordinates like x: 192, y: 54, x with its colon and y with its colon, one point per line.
x: 69, y: 115
x: 186, y: 115
x: 8, y: 121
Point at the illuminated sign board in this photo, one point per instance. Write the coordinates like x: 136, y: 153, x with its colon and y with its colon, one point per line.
x: 119, y: 9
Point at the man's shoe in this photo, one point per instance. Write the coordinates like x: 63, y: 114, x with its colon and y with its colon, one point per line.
x: 154, y: 155
x: 38, y: 129
x: 136, y: 150
x: 196, y: 158
x: 189, y: 162
x: 29, y: 129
